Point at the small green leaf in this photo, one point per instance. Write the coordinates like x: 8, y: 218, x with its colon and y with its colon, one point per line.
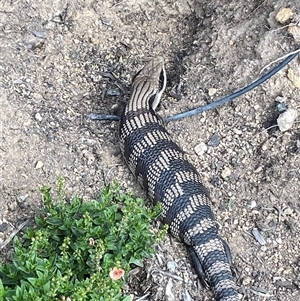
x: 1, y: 290
x: 33, y: 281
x: 138, y: 262
x: 54, y: 221
x: 47, y: 286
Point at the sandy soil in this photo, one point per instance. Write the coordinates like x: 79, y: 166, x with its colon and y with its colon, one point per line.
x: 61, y: 60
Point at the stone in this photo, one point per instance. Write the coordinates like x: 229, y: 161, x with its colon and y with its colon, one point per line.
x: 286, y: 120
x: 200, y: 148
x: 247, y: 280
x: 295, y: 79
x: 38, y: 117
x: 226, y: 172
x: 214, y: 140
x: 284, y: 15
x: 171, y: 266
x: 39, y: 165
x: 212, y: 91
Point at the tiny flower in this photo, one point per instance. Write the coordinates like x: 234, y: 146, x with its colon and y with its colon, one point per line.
x: 116, y: 273
x: 91, y: 241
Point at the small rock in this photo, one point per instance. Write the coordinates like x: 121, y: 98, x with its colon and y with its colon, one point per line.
x: 3, y: 227
x: 286, y: 120
x: 39, y: 165
x: 212, y: 91
x: 113, y: 92
x: 251, y: 204
x: 38, y: 117
x: 298, y: 144
x: 295, y: 79
x: 214, y: 140
x: 282, y: 107
x: 226, y: 172
x: 34, y: 43
x: 288, y: 211
x: 171, y: 266
x: 106, y: 22
x: 247, y: 280
x: 287, y: 271
x: 17, y: 81
x: 284, y: 15
x: 263, y: 248
x: 258, y: 169
x: 22, y: 198
x: 39, y: 34
x: 200, y: 148
x: 294, y: 31
x: 258, y: 236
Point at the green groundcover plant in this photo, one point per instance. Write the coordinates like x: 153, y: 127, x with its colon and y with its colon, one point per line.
x: 80, y: 250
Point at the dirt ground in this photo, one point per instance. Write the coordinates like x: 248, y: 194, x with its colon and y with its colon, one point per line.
x: 62, y: 60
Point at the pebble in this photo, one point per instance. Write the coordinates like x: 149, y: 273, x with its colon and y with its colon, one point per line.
x: 282, y: 107
x: 258, y: 169
x: 263, y: 248
x: 286, y: 120
x: 226, y: 172
x: 212, y: 91
x: 295, y: 79
x: 252, y: 204
x: 284, y: 15
x: 39, y: 34
x: 34, y: 43
x: 258, y: 236
x: 113, y: 92
x: 200, y: 148
x: 106, y: 22
x: 22, y: 198
x: 171, y: 266
x: 214, y: 140
x: 17, y: 81
x: 3, y: 227
x: 38, y: 117
x: 247, y: 280
x: 294, y: 31
x: 39, y: 165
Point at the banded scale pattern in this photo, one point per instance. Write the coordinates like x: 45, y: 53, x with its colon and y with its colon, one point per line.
x: 162, y: 169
